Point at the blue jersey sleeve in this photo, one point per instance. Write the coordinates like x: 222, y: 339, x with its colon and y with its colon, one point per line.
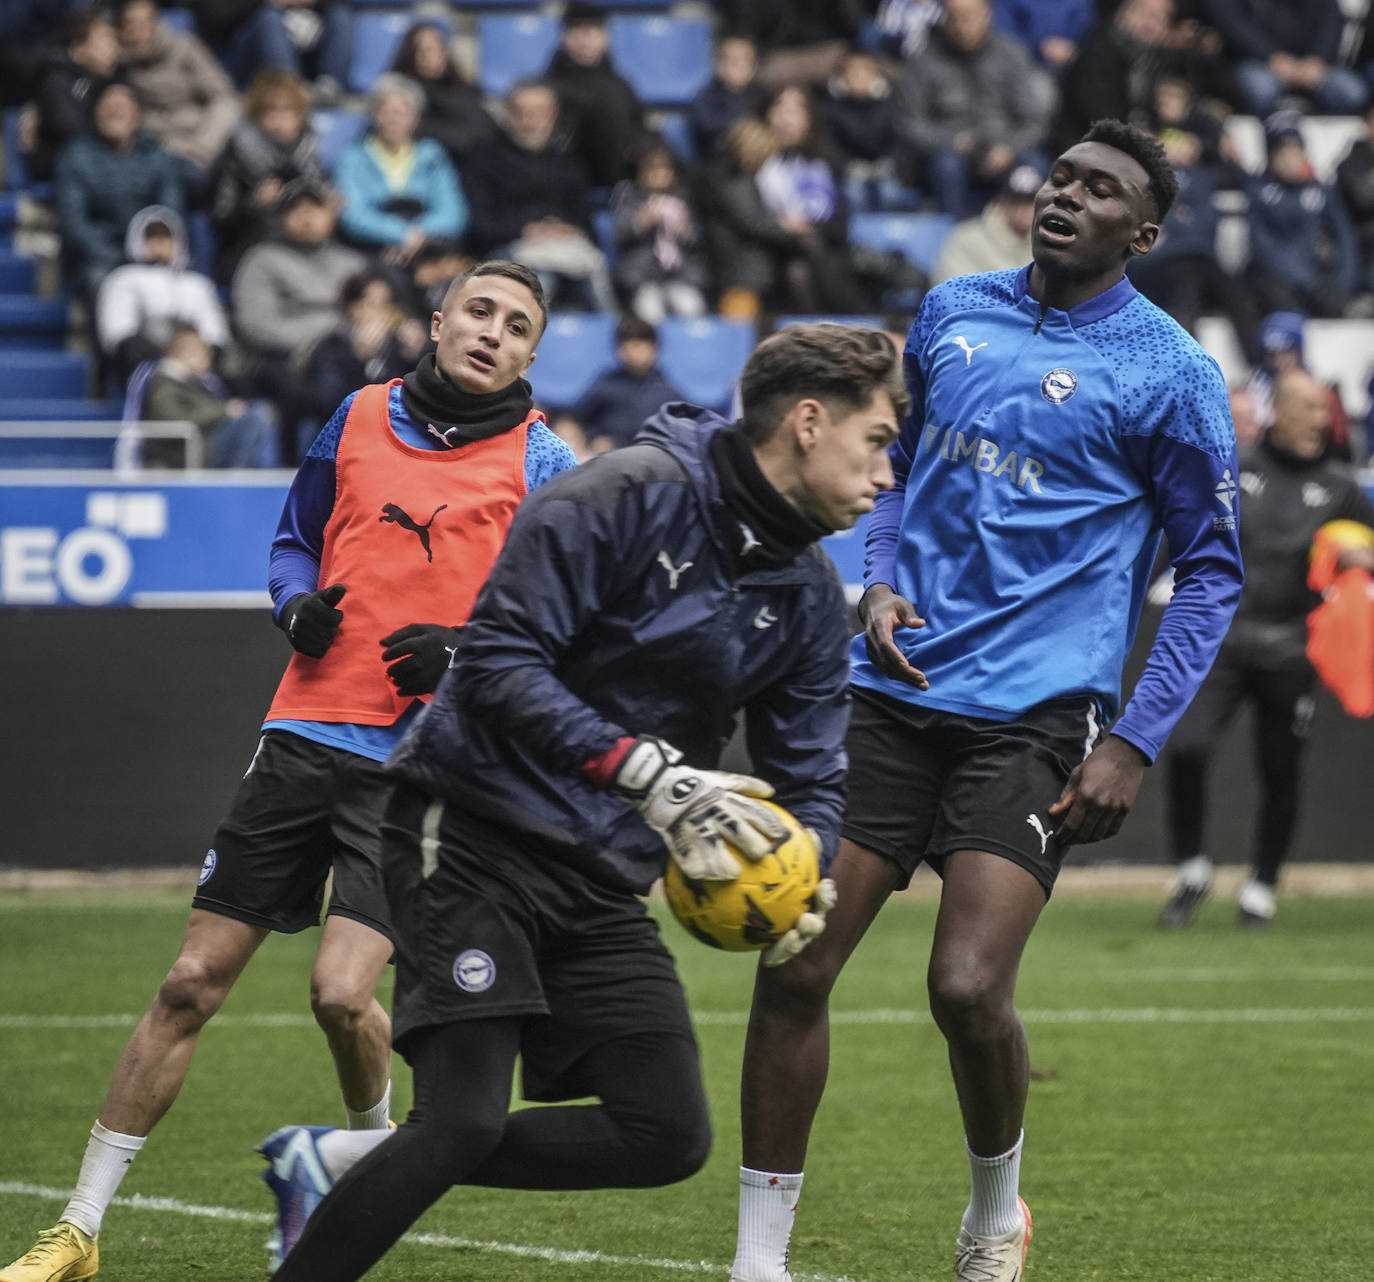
x: 546, y: 455
x: 1195, y: 498
x: 298, y: 546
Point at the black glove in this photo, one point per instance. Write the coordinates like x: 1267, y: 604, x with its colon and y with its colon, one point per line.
x: 311, y: 622
x: 423, y: 651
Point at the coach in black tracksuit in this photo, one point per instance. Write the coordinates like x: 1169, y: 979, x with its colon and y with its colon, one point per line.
x: 1289, y: 490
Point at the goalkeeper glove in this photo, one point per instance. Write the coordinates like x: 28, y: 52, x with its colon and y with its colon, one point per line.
x: 809, y: 924
x: 697, y: 812
x: 419, y: 654
x: 311, y: 622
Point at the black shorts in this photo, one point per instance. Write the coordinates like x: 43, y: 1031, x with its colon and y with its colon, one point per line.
x: 302, y: 809
x: 924, y: 783
x: 488, y: 927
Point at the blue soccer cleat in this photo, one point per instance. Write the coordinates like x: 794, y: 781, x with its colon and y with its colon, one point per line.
x: 297, y: 1175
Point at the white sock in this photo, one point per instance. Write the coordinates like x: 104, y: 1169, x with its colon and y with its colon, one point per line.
x: 767, y: 1207
x: 341, y: 1149
x: 108, y: 1155
x: 1195, y: 871
x: 992, y: 1209
x: 370, y: 1119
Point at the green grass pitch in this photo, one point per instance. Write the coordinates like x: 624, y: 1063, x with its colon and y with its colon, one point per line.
x: 1202, y: 1109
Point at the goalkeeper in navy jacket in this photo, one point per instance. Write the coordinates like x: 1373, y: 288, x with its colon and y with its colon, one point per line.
x: 640, y: 602
x: 1060, y: 423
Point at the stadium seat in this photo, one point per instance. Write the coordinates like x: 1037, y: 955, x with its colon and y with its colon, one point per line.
x: 603, y: 232
x: 27, y: 373
x: 335, y: 128
x: 917, y: 237
x: 703, y: 356
x: 29, y: 322
x: 58, y: 409
x: 37, y: 449
x: 513, y: 47
x: 18, y: 275
x: 639, y: 6
x: 576, y: 348
x: 666, y: 60
x: 183, y: 20
x: 376, y: 37
x: 9, y: 212
x: 676, y: 130
x: 16, y: 166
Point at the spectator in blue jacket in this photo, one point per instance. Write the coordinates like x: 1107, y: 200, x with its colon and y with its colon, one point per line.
x: 103, y: 179
x: 398, y: 191
x: 615, y: 407
x: 1304, y: 256
x: 1283, y: 47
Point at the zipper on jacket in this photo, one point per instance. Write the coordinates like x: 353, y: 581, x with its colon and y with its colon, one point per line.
x: 1040, y: 320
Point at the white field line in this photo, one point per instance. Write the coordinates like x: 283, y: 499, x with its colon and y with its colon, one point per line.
x: 735, y: 1018
x: 551, y: 1254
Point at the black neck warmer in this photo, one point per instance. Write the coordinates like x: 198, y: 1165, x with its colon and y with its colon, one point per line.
x: 764, y: 530
x: 457, y: 417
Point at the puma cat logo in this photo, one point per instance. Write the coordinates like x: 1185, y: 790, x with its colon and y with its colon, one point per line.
x: 399, y: 516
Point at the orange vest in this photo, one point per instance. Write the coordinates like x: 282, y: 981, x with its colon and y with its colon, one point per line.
x: 413, y: 535
x: 1340, y: 631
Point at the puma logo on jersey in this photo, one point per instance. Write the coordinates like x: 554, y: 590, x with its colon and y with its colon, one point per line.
x: 1034, y: 821
x: 765, y: 618
x: 962, y: 343
x: 674, y: 571
x: 397, y: 515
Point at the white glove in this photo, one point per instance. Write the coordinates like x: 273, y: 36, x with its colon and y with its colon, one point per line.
x: 697, y: 812
x: 809, y: 924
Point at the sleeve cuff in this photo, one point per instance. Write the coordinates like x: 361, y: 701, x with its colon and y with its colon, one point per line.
x: 601, y: 769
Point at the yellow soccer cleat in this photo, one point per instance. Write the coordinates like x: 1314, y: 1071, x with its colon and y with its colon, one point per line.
x: 62, y: 1253
x: 993, y: 1259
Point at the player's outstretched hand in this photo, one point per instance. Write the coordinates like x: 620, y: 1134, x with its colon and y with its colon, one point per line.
x: 808, y: 926
x: 702, y: 815
x: 882, y: 611
x: 311, y: 621
x: 419, y: 654
x: 1099, y: 793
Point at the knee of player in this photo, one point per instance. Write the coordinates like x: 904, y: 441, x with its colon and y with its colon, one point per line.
x: 677, y: 1147
x: 799, y: 988
x: 964, y: 993
x: 191, y: 989
x: 338, y: 1004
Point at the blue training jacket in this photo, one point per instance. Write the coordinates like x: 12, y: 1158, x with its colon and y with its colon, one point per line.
x: 1045, y: 453
x: 611, y: 612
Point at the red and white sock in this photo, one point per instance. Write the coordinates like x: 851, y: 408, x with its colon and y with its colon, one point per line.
x: 767, y: 1208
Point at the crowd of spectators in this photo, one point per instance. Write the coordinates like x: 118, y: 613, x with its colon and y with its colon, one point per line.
x: 185, y: 171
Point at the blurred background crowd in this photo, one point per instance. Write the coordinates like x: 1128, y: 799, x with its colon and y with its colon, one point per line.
x: 233, y: 212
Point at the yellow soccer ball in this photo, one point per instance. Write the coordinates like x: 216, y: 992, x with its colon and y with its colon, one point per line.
x: 761, y: 905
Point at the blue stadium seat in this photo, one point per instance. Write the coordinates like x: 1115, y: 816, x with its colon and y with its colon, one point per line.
x: 513, y: 47
x: 703, y: 356
x: 872, y: 322
x: 58, y: 409
x: 34, y: 449
x: 376, y: 37
x: 918, y: 237
x: 29, y: 322
x: 9, y: 207
x: 576, y: 348
x: 43, y: 374
x: 180, y: 19
x: 18, y: 275
x: 640, y: 6
x: 676, y: 130
x: 603, y: 232
x: 667, y: 60
x: 335, y: 128
x: 17, y: 177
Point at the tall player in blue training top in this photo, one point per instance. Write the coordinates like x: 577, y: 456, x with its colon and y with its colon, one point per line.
x: 1059, y: 424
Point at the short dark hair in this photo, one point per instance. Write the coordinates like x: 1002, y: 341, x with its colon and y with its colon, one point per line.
x: 842, y: 366
x: 632, y: 328
x: 584, y: 15
x: 517, y: 272
x: 1147, y: 152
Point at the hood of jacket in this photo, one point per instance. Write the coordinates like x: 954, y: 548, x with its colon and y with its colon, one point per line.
x: 133, y: 236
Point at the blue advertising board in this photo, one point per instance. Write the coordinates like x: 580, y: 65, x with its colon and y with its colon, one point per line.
x: 167, y: 540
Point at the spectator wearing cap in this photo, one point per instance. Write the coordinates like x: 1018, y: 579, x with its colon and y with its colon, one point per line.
x: 997, y: 238
x: 1183, y: 274
x: 398, y: 191
x: 286, y: 290
x: 102, y: 179
x: 1303, y: 252
x: 1281, y: 341
x: 615, y: 407
x: 971, y: 106
x: 189, y: 104
x: 140, y: 303
x: 271, y: 146
x: 600, y: 108
x: 1283, y: 48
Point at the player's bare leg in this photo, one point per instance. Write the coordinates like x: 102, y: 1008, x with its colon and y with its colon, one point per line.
x: 154, y: 1064
x: 988, y: 907
x: 786, y: 1059
x: 343, y: 988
